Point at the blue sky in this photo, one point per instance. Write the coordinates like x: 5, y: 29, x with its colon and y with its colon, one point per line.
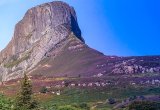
x: 114, y: 27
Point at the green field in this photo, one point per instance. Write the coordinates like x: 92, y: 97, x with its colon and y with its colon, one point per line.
x: 96, y: 98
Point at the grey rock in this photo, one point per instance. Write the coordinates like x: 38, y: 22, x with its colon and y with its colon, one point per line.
x: 40, y: 30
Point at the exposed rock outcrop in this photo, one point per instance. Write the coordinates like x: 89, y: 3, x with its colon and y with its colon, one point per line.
x: 134, y: 65
x: 41, y: 29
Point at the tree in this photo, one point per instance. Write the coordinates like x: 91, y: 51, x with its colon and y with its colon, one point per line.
x: 24, y: 100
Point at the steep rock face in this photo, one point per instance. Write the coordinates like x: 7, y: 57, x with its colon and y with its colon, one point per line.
x: 41, y: 29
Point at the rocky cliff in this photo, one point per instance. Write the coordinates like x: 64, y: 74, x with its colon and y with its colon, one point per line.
x: 40, y: 30
x: 48, y: 42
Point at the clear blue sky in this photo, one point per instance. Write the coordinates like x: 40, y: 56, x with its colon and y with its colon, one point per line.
x: 114, y: 27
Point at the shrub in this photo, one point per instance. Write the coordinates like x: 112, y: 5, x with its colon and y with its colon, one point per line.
x: 5, y: 104
x: 111, y: 101
x: 84, y: 106
x: 66, y: 84
x: 44, y: 90
x: 132, y: 98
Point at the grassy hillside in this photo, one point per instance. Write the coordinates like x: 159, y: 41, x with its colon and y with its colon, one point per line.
x: 93, y: 97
